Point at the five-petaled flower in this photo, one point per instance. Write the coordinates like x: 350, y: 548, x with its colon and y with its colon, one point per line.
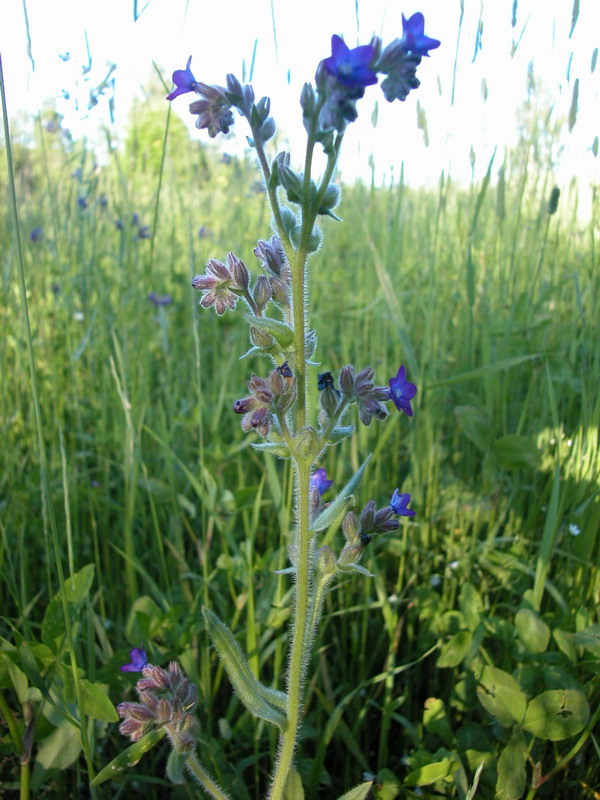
x: 402, y: 391
x: 184, y: 81
x: 414, y: 38
x: 138, y: 660
x: 399, y: 503
x: 351, y: 67
x: 319, y: 481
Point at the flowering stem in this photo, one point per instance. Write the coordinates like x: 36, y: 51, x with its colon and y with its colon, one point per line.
x: 298, y: 653
x: 209, y: 785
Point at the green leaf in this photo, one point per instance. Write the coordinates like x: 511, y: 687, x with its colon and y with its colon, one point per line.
x: 471, y: 605
x: 60, y: 749
x: 130, y: 756
x: 532, y: 631
x: 565, y: 643
x: 279, y: 449
x: 589, y: 638
x: 431, y: 773
x: 435, y: 719
x: 501, y: 696
x: 516, y: 452
x: 557, y: 714
x: 96, y: 702
x: 176, y: 765
x: 336, y: 508
x: 261, y: 701
x: 475, y: 424
x: 280, y: 331
x: 76, y: 589
x: 293, y: 787
x: 455, y: 650
x: 511, y: 768
x: 358, y: 793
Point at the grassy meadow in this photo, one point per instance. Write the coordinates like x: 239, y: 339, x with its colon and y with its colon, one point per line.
x: 137, y: 479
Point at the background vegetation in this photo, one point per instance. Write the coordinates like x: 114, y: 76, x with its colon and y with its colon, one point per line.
x: 491, y: 301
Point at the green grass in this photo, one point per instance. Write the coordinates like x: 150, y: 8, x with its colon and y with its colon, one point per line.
x: 492, y: 304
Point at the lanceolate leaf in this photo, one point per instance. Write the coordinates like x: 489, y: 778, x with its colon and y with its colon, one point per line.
x: 336, y: 509
x: 358, y: 793
x: 130, y: 756
x: 260, y: 700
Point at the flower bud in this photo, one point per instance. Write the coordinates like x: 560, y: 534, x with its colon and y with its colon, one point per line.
x: 261, y: 338
x: 367, y: 518
x: 325, y: 561
x: 350, y: 528
x: 262, y: 292
x: 238, y: 271
x: 347, y: 380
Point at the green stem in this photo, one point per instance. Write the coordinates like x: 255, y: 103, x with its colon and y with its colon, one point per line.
x: 298, y: 655
x: 322, y: 583
x: 209, y: 785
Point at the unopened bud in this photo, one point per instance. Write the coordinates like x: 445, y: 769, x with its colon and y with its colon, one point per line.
x: 261, y: 338
x: 238, y: 270
x: 347, y: 380
x: 325, y: 561
x: 262, y: 292
x: 350, y: 528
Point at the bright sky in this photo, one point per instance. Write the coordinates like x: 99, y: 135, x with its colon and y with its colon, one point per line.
x: 292, y: 37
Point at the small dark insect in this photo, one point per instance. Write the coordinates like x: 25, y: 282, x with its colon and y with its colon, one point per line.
x: 285, y: 371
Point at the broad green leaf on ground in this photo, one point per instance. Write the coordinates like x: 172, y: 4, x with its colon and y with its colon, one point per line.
x: 454, y: 650
x: 516, y: 452
x: 431, y: 773
x: 130, y: 756
x: 475, y: 424
x: 60, y: 749
x: 261, y: 701
x: 589, y: 638
x: 557, y: 714
x: 532, y: 631
x: 501, y: 696
x: 76, y: 589
x: 511, y: 768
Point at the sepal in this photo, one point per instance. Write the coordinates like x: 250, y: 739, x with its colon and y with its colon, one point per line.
x: 340, y: 433
x: 280, y: 331
x: 358, y: 793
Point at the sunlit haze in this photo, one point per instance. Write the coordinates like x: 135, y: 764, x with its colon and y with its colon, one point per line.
x: 470, y: 105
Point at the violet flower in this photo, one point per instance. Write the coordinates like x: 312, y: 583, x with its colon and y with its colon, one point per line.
x: 138, y: 660
x: 414, y: 38
x: 36, y: 234
x: 184, y: 81
x: 350, y: 67
x: 319, y: 481
x: 399, y: 504
x: 402, y: 391
x: 160, y: 299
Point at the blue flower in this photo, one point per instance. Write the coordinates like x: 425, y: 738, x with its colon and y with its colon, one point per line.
x: 350, y: 67
x: 402, y: 391
x: 36, y: 234
x: 413, y: 31
x: 399, y: 503
x: 138, y: 660
x: 319, y: 481
x: 183, y: 80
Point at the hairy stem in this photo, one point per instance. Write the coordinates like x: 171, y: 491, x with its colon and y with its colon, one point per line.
x: 209, y: 785
x: 298, y: 655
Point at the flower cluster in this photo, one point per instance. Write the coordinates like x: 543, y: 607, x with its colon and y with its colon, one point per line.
x: 166, y: 698
x: 268, y: 399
